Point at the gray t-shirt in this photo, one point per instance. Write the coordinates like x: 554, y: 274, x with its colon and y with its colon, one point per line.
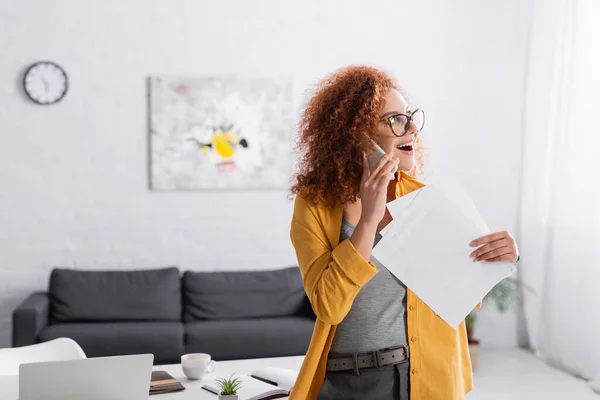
x: 377, y: 318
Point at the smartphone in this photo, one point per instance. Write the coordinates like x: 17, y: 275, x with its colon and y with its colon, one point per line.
x: 375, y: 155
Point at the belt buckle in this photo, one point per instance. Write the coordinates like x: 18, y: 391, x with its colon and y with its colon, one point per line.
x: 404, y: 350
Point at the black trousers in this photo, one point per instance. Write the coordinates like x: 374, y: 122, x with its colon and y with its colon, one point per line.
x: 390, y: 382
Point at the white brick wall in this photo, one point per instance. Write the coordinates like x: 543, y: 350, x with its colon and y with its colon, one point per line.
x: 73, y: 177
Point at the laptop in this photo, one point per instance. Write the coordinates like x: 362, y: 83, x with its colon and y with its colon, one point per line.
x: 102, y: 378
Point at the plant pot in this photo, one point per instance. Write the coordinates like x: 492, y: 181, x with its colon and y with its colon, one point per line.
x: 474, y: 353
x: 228, y: 397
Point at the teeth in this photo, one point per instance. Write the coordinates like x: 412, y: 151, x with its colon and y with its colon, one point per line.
x: 405, y: 145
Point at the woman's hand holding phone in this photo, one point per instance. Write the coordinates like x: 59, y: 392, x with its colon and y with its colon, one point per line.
x: 373, y: 196
x: 373, y: 187
x: 375, y: 155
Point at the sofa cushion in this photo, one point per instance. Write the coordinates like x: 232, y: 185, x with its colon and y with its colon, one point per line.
x: 99, y: 339
x: 249, y: 338
x: 243, y: 294
x: 115, y: 295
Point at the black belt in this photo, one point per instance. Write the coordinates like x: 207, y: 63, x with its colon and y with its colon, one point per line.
x: 377, y: 358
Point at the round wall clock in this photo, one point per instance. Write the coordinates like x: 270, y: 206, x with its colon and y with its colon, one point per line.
x: 45, y: 83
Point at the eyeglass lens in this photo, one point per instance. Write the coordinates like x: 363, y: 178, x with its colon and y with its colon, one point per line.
x: 399, y: 123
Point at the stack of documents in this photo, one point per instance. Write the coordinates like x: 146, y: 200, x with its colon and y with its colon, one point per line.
x: 427, y: 247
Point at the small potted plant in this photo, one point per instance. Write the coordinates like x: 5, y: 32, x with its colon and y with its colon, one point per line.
x: 228, y: 388
x: 502, y: 295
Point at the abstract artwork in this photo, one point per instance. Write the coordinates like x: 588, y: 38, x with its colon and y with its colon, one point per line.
x: 220, y: 133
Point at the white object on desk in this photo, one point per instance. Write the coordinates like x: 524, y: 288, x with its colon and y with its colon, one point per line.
x: 282, y: 377
x: 250, y: 388
x: 9, y: 385
x: 260, y: 384
x: 196, y: 365
x: 60, y: 349
x: 428, y: 248
x: 114, y: 378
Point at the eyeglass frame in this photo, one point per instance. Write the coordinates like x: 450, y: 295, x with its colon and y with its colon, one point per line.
x: 409, y: 119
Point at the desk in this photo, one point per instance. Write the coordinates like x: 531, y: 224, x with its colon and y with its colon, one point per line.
x: 9, y: 385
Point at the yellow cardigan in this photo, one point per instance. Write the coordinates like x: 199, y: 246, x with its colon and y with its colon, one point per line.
x: 333, y: 273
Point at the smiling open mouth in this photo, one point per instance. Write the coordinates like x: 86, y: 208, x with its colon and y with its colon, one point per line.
x: 405, y: 147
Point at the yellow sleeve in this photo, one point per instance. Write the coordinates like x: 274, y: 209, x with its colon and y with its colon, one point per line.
x: 332, y: 277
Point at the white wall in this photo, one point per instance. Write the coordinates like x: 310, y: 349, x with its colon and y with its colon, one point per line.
x: 74, y: 176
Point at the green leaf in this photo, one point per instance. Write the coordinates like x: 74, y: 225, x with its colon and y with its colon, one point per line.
x: 229, y: 386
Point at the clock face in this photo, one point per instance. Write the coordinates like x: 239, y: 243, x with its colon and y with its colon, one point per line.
x: 45, y: 83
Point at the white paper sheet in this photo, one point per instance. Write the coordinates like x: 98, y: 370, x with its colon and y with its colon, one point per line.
x: 427, y: 248
x: 397, y: 207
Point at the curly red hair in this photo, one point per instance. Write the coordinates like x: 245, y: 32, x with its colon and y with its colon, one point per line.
x: 345, y: 105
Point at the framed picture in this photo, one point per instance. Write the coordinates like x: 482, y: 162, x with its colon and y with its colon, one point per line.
x: 220, y: 133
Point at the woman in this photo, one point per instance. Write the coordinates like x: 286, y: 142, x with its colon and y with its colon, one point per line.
x: 373, y: 338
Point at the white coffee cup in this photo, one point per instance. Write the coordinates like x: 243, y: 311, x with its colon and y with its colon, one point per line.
x: 196, y: 365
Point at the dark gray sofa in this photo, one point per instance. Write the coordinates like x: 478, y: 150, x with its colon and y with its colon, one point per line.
x: 231, y: 315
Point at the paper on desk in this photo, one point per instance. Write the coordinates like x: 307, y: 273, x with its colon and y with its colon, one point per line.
x: 427, y: 248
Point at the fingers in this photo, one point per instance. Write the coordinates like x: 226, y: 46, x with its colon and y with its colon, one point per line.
x: 384, y: 180
x: 506, y: 253
x: 490, y: 238
x: 381, y: 163
x: 380, y: 177
x: 493, y: 253
x: 489, y: 247
x: 497, y: 246
x: 385, y: 175
x: 389, y: 167
x: 386, y: 165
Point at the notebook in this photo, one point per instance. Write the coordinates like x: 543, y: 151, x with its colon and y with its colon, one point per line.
x: 162, y: 382
x: 263, y: 384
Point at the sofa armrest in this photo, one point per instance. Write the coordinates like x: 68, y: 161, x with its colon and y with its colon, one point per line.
x: 29, y: 318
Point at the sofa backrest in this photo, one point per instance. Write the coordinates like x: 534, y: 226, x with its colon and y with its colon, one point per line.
x: 243, y: 294
x: 148, y: 295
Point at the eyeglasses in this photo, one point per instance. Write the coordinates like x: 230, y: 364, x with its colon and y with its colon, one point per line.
x: 399, y: 123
